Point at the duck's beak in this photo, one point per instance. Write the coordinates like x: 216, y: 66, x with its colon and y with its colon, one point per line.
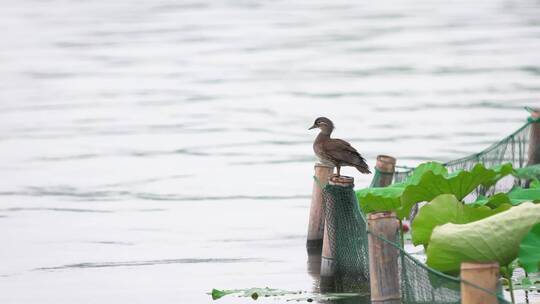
x: 312, y: 127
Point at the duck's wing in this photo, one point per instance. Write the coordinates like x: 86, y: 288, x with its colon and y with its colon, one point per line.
x: 345, y: 153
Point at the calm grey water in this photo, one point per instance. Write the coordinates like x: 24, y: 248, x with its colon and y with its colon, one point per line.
x: 153, y: 150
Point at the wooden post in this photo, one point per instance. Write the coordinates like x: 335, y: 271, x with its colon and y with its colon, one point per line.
x: 383, y: 258
x: 316, y: 212
x: 386, y: 165
x: 328, y: 262
x: 534, y: 140
x: 485, y: 275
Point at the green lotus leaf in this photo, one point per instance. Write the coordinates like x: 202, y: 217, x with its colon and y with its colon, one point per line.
x: 426, y: 182
x: 500, y: 172
x: 379, y: 199
x: 446, y: 208
x: 287, y: 295
x: 529, y: 172
x: 460, y: 184
x: 389, y: 198
x: 515, y: 197
x: 493, y: 201
x: 529, y: 250
x: 434, y: 167
x: 253, y: 293
x: 495, y: 238
x: 218, y: 294
x: 520, y: 195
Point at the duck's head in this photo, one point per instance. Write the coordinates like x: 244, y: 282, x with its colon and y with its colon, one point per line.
x: 323, y: 123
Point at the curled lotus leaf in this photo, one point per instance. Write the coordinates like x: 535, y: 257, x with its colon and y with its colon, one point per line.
x: 495, y: 238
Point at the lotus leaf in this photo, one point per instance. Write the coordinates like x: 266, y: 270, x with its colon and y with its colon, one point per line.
x: 515, y: 197
x: 529, y: 250
x: 500, y: 172
x: 252, y: 292
x: 434, y: 167
x: 529, y: 172
x: 389, y: 198
x: 379, y: 199
x: 493, y: 201
x: 446, y: 208
x: 520, y: 195
x: 285, y: 295
x: 460, y: 184
x: 495, y: 238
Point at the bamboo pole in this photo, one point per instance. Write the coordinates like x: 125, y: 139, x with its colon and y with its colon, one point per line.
x: 484, y: 275
x: 328, y: 262
x: 316, y: 212
x: 534, y: 140
x: 386, y: 165
x: 383, y: 258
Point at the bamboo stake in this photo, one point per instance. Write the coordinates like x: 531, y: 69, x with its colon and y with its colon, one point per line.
x: 386, y: 165
x: 534, y: 140
x: 484, y: 275
x: 328, y: 262
x: 383, y: 262
x: 316, y: 212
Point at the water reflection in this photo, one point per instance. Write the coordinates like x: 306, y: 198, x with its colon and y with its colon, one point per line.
x: 337, y: 283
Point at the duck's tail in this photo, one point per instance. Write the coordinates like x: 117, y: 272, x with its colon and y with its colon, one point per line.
x: 363, y: 167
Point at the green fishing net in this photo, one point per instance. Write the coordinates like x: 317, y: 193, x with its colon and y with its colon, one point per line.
x: 512, y: 149
x: 348, y: 240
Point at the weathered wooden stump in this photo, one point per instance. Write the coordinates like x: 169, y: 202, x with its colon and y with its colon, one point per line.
x: 386, y: 165
x: 328, y: 262
x: 485, y: 275
x: 316, y: 212
x: 534, y: 140
x: 383, y: 258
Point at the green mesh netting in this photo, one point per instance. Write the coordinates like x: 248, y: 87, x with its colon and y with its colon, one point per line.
x: 512, y: 149
x: 348, y: 236
x: 380, y: 178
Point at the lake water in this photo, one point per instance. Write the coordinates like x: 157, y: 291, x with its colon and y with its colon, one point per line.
x: 153, y: 150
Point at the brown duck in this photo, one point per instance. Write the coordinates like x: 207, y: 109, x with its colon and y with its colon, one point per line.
x: 336, y: 151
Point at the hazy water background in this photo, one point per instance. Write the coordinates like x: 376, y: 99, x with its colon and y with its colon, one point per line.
x: 152, y: 150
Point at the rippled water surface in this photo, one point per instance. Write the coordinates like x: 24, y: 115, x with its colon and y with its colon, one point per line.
x: 152, y: 150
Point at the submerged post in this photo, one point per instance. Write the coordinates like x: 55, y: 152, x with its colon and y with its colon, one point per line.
x: 383, y: 258
x: 385, y: 166
x: 534, y: 139
x: 328, y: 262
x: 484, y: 275
x: 316, y: 212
